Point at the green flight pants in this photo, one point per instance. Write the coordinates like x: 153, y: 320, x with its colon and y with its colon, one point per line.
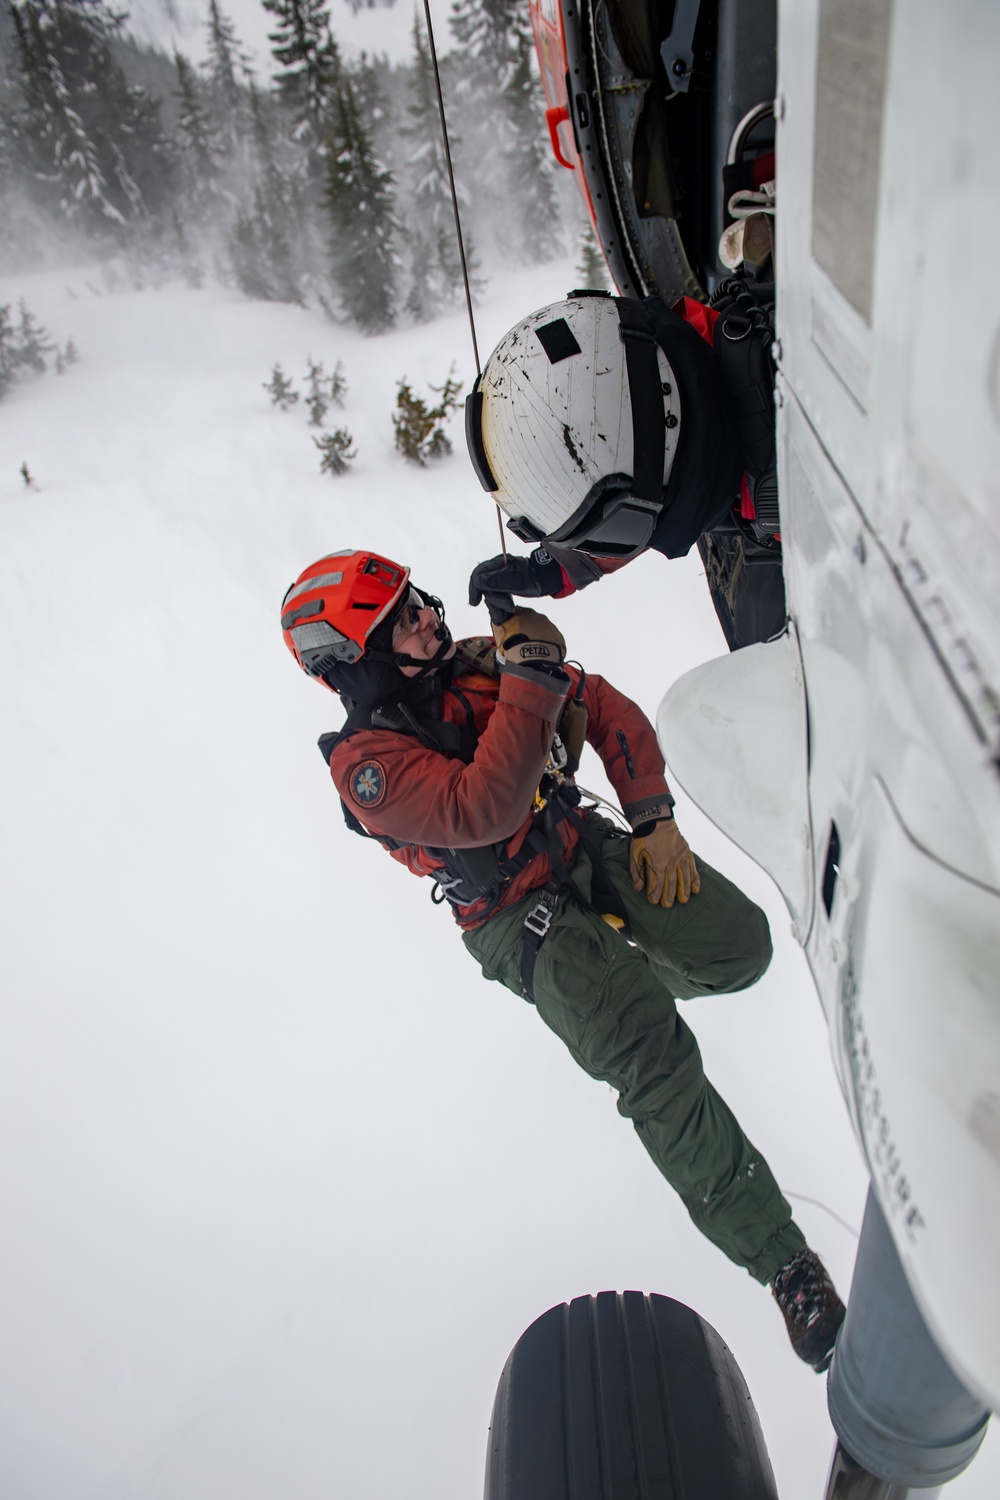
x: 613, y: 1006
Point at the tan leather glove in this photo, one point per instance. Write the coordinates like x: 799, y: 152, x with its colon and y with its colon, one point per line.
x: 529, y: 639
x: 662, y: 862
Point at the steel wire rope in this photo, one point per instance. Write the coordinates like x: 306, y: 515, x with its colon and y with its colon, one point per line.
x: 458, y: 222
x: 818, y: 1203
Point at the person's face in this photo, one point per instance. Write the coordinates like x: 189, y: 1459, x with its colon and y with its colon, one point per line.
x: 414, y: 634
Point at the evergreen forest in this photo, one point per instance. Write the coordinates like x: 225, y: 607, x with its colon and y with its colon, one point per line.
x: 324, y: 184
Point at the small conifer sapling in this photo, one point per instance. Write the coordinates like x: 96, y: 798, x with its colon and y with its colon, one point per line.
x: 8, y: 350
x: 34, y: 341
x: 280, y: 390
x: 337, y: 451
x: 338, y: 384
x: 316, y: 399
x: 419, y: 428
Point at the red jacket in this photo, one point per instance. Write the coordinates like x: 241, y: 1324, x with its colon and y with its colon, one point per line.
x: 399, y: 788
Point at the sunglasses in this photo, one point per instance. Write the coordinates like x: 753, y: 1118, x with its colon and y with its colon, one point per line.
x: 407, y: 618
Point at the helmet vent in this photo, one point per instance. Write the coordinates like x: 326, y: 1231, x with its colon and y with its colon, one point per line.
x: 558, y: 340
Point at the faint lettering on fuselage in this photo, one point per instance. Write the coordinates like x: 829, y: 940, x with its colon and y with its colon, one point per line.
x: 884, y: 1157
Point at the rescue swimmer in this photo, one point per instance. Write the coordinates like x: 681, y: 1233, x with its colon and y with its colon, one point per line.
x: 459, y: 758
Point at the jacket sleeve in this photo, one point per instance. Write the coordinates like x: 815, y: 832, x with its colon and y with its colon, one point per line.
x: 626, y: 742
x: 580, y: 569
x: 403, y: 790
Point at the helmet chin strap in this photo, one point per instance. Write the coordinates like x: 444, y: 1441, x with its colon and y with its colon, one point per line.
x: 425, y: 668
x: 399, y: 659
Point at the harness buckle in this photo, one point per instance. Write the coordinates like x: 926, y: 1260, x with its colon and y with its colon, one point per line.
x: 539, y: 918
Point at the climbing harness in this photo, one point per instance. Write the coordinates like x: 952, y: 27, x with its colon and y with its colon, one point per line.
x: 468, y: 876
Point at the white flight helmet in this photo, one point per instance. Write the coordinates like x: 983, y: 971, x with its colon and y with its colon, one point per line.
x: 574, y: 423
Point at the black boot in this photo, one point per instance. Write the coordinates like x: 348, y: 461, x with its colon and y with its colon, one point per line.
x: 811, y: 1308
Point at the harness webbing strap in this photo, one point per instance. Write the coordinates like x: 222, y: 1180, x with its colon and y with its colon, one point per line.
x: 536, y: 926
x: 603, y: 897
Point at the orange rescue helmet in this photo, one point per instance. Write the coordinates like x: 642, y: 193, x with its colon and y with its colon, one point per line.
x: 334, y: 606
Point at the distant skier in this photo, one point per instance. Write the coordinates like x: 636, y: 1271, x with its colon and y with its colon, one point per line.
x: 458, y: 757
x: 603, y: 426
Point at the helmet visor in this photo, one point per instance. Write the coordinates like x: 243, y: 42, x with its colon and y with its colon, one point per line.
x: 474, y: 439
x: 611, y: 522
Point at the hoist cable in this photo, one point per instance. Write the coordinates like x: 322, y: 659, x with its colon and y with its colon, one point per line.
x: 458, y: 219
x: 451, y: 183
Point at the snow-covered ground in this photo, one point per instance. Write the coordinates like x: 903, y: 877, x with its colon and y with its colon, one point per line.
x: 283, y: 1178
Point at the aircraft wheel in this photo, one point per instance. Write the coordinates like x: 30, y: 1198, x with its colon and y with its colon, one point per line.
x: 624, y: 1397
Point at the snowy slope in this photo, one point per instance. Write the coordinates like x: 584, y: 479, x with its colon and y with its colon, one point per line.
x: 284, y: 1178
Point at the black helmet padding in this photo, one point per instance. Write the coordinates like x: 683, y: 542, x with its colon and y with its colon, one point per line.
x: 705, y: 477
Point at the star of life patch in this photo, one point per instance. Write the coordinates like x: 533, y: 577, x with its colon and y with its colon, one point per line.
x: 368, y: 783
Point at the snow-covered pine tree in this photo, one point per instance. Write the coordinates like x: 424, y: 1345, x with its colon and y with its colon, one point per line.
x: 481, y: 27
x: 504, y: 157
x: 27, y: 230
x: 359, y: 198
x: 309, y: 60
x: 205, y: 198
x: 528, y: 159
x: 269, y: 236
x: 199, y: 149
x: 33, y: 341
x: 8, y: 127
x: 229, y: 73
x: 8, y: 350
x: 436, y: 277
x: 23, y: 345
x: 91, y: 145
x: 591, y: 268
x: 368, y: 79
x: 421, y: 301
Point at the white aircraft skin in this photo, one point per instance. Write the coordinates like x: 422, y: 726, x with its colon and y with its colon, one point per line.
x: 879, y: 713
